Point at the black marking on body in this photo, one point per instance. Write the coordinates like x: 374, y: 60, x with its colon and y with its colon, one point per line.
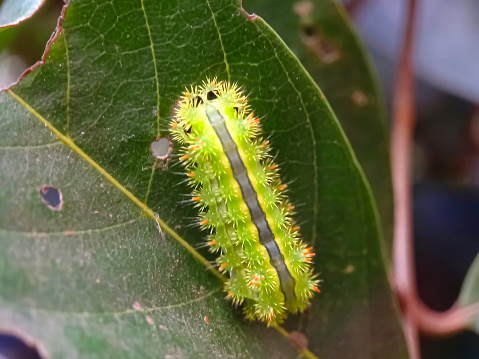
x: 250, y: 197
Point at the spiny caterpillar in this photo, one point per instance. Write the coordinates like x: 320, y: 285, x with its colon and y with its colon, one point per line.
x: 243, y: 203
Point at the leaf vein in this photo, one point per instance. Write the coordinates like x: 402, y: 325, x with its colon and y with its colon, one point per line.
x: 148, y: 211
x: 221, y: 40
x: 67, y: 95
x: 150, y: 182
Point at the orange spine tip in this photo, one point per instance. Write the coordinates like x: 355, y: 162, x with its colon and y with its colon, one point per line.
x: 256, y: 284
x: 250, y: 116
x: 316, y: 289
x: 191, y: 175
x: 265, y: 143
x: 187, y: 94
x: 185, y: 157
x: 262, y: 277
x: 250, y: 283
x: 271, y: 315
x: 289, y: 208
x: 283, y: 186
x: 203, y: 222
x: 295, y: 229
x: 273, y: 167
x: 308, y: 259
x: 223, y: 266
x: 310, y: 254
x: 230, y: 295
x: 174, y: 125
x: 212, y: 243
x: 197, y: 199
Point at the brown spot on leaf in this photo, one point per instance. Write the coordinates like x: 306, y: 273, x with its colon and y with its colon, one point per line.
x: 52, y: 197
x: 349, y: 269
x: 360, y: 98
x: 303, y: 8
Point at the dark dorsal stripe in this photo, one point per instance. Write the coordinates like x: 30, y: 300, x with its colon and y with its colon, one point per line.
x: 250, y: 197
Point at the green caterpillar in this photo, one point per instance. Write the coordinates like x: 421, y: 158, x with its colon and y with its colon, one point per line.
x: 242, y: 203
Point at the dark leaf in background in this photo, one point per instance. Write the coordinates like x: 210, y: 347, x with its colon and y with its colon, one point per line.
x: 320, y: 34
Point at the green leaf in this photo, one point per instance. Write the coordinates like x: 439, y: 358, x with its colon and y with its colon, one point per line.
x: 320, y: 34
x: 83, y: 122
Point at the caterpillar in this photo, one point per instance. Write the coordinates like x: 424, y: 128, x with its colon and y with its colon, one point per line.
x: 242, y: 203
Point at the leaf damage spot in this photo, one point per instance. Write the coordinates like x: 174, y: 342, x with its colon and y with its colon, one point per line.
x: 52, y: 197
x: 304, y: 8
x: 360, y: 98
x: 161, y: 149
x: 349, y: 269
x: 249, y: 17
x: 311, y: 36
x: 207, y: 320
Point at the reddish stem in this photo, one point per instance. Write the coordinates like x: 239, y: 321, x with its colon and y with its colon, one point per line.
x: 403, y: 127
x: 417, y: 317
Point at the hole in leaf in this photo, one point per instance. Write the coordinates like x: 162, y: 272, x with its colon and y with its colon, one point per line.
x: 324, y: 47
x: 161, y: 148
x: 310, y: 31
x: 52, y: 197
x: 14, y: 347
